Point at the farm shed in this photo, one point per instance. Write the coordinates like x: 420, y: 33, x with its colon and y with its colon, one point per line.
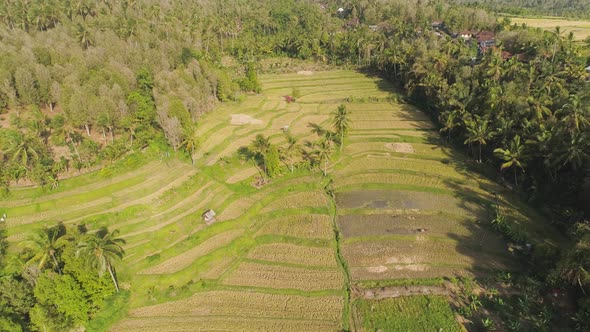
x: 209, y: 217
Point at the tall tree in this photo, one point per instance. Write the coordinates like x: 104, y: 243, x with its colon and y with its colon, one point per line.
x: 45, y: 245
x: 324, y: 150
x: 341, y: 122
x: 101, y: 250
x: 512, y: 156
x: 478, y: 131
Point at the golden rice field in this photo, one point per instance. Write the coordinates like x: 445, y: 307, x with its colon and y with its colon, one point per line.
x: 284, y: 256
x: 580, y: 29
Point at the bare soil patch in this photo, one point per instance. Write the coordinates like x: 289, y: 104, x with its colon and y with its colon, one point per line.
x: 391, y: 292
x: 305, y: 72
x: 243, y: 119
x: 400, y: 147
x: 392, y: 199
x: 354, y: 225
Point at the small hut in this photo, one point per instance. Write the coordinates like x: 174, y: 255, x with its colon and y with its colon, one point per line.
x: 209, y: 217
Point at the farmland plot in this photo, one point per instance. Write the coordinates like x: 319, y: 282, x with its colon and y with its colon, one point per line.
x: 411, y: 313
x: 307, y: 226
x: 294, y: 254
x: 284, y: 277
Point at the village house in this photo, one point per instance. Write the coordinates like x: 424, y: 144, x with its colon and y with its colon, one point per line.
x: 466, y: 35
x: 485, y: 39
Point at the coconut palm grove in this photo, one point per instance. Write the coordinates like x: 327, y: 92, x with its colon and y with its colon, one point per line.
x: 294, y: 165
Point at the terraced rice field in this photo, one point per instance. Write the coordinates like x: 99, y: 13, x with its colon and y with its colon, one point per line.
x: 404, y: 208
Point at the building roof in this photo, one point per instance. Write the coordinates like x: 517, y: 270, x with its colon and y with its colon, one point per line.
x: 485, y: 36
x: 588, y: 69
x: 209, y: 216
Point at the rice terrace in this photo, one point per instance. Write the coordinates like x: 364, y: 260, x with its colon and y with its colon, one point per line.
x: 378, y: 243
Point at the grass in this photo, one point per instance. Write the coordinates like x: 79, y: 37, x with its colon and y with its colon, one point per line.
x: 412, y: 313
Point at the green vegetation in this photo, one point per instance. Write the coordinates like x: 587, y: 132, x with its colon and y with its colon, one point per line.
x: 411, y: 313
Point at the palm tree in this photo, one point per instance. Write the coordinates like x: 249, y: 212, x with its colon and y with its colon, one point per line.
x: 291, y: 148
x: 260, y: 144
x: 45, y: 243
x: 324, y: 149
x: 84, y: 36
x: 447, y: 119
x: 478, y: 131
x: 101, y: 249
x: 575, y: 151
x: 340, y: 122
x: 512, y: 156
x: 576, y: 114
x: 23, y: 149
x: 190, y: 143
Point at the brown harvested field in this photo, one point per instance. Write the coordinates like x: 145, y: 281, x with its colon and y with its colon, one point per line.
x: 311, y: 226
x: 185, y: 259
x: 295, y: 254
x: 404, y: 200
x: 420, y: 256
x: 248, y: 304
x: 298, y: 200
x: 355, y: 225
x: 408, y: 272
x: 215, y: 269
x: 284, y: 277
x: 580, y: 29
x: 236, y: 208
x: 224, y: 323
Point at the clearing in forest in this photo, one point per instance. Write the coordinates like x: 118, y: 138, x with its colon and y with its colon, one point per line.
x: 404, y: 208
